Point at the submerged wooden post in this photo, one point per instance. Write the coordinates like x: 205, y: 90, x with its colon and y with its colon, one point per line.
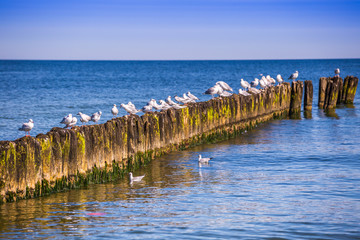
x: 296, y: 99
x: 308, y: 95
x: 349, y: 89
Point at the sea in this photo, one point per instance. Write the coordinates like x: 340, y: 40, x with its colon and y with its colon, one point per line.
x: 285, y: 179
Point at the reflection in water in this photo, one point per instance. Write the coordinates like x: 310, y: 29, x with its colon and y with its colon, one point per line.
x: 279, y: 179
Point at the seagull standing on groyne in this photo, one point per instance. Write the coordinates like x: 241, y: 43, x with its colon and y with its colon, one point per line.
x: 114, y: 111
x: 244, y: 84
x: 337, y: 72
x: 294, y: 76
x: 26, y: 127
x: 67, y: 119
x: 84, y: 118
x: 279, y: 79
x: 96, y: 116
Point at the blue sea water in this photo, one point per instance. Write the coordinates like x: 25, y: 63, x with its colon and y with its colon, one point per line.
x: 286, y: 179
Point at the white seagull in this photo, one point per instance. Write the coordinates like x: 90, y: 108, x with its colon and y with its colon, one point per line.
x: 67, y: 120
x: 192, y: 96
x: 72, y: 123
x: 255, y: 82
x: 244, y: 84
x: 204, y: 160
x: 337, y: 72
x: 83, y: 117
x: 135, y: 179
x: 114, y: 110
x: 130, y: 108
x: 26, y: 127
x: 96, y: 116
x: 294, y: 76
x: 173, y: 104
x: 217, y: 89
x: 224, y: 86
x: 244, y: 93
x: 279, y: 79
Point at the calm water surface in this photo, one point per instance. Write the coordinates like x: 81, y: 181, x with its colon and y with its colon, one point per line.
x: 286, y: 179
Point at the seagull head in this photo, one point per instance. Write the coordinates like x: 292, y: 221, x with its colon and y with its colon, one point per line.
x: 79, y: 113
x: 114, y: 105
x: 30, y: 120
x: 99, y: 112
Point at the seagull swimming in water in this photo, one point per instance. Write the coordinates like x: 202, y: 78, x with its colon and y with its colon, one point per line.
x: 26, y: 127
x: 114, y: 110
x: 294, y: 76
x: 204, y: 160
x: 135, y: 179
x: 83, y: 117
x: 337, y: 72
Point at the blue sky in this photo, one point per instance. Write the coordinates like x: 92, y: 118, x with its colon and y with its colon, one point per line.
x: 179, y: 29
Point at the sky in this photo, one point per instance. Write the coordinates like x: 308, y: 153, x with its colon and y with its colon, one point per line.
x: 179, y: 29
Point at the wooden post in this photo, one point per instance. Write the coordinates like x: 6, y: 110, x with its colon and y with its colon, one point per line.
x: 308, y: 95
x: 296, y: 99
x: 349, y: 89
x: 322, y: 90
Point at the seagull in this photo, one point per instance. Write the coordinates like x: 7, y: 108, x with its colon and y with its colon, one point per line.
x: 164, y: 105
x: 279, y: 79
x: 72, y: 123
x: 114, y: 110
x: 26, y: 127
x: 255, y: 82
x: 217, y: 89
x: 262, y: 83
x: 96, y: 116
x: 182, y: 100
x: 173, y: 104
x: 224, y: 86
x: 155, y: 105
x: 254, y: 90
x: 244, y: 93
x: 130, y: 108
x: 147, y: 108
x: 67, y: 120
x: 135, y: 179
x: 294, y: 76
x: 204, y: 160
x: 244, y: 84
x: 337, y: 72
x: 83, y: 117
x: 193, y: 97
x: 225, y: 94
x: 186, y: 97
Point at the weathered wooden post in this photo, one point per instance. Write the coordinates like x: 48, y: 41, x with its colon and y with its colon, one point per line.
x: 308, y: 98
x: 296, y: 99
x: 322, y: 90
x: 329, y: 89
x: 308, y: 95
x: 349, y: 89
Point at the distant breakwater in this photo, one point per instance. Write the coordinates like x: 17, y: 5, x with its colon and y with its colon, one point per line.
x: 68, y: 158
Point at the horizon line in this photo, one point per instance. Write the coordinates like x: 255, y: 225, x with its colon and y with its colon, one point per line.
x: 153, y: 60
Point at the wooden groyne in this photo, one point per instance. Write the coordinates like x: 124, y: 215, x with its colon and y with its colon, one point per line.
x: 335, y: 90
x: 69, y: 158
